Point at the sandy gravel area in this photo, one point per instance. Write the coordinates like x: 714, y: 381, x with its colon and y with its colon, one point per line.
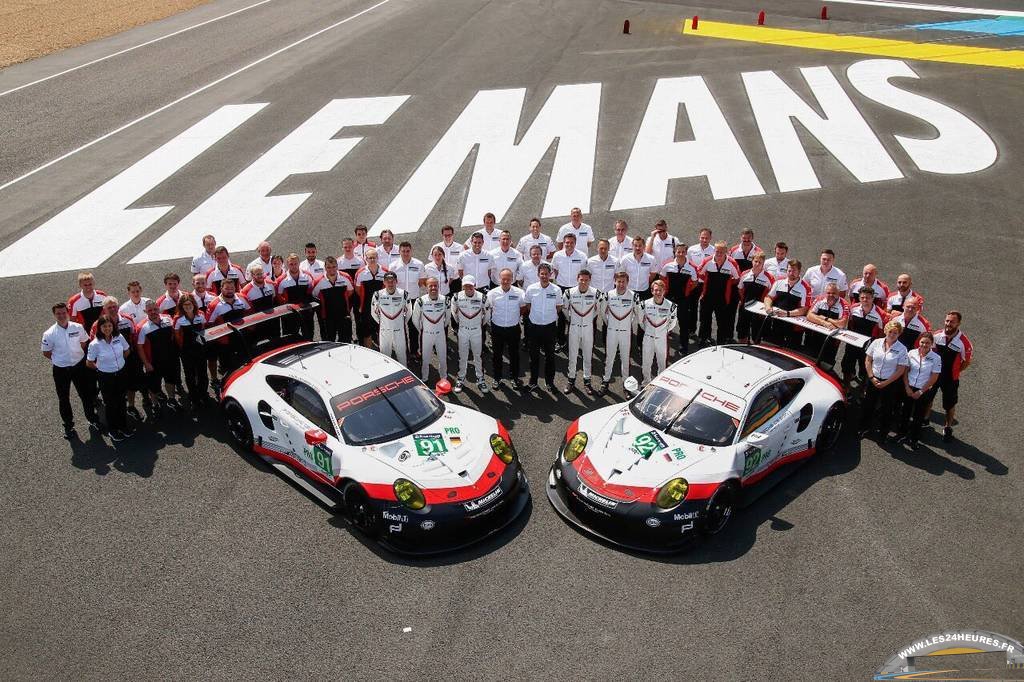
x: 32, y: 28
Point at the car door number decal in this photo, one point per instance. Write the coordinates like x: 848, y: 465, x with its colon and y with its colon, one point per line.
x: 430, y: 444
x: 646, y: 444
x: 321, y: 459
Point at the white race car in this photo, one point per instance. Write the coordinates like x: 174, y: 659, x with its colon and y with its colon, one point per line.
x: 676, y: 460
x: 363, y: 434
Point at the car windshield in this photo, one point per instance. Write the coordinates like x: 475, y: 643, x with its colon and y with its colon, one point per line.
x: 398, y: 406
x: 682, y: 418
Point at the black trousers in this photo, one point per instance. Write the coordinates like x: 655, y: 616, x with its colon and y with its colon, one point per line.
x: 880, y: 405
x: 542, y: 337
x: 112, y: 388
x: 336, y: 328
x: 505, y: 338
x: 748, y: 324
x: 412, y: 343
x: 812, y: 346
x: 683, y: 319
x: 638, y: 337
x: 719, y: 309
x: 694, y: 299
x: 853, y: 358
x: 197, y: 381
x: 912, y: 413
x: 84, y: 381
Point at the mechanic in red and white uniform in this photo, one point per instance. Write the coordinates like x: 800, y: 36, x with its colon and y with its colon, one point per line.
x: 199, y: 292
x: 868, y: 278
x: 206, y: 258
x: 956, y: 351
x: 390, y: 310
x: 818, y: 276
x: 865, y: 318
x: 661, y: 245
x: 295, y: 286
x: 155, y: 341
x: 334, y: 293
x: 886, y: 362
x: 789, y: 297
x: 580, y: 309
x: 276, y: 267
x: 680, y: 279
x: 189, y: 322
x: 260, y: 293
x: 778, y: 265
x: 536, y: 237
x: 369, y: 280
x: 135, y: 306
x: 528, y: 270
x: 263, y: 259
x: 912, y: 320
x: 452, y: 251
x: 411, y: 279
x: 743, y: 252
x: 904, y: 291
x: 387, y: 251
x: 168, y: 301
x: 576, y: 227
x: 697, y: 254
x: 618, y: 311
x: 754, y: 285
x: 470, y: 314
x: 566, y: 264
x: 311, y: 265
x: 621, y: 243
x: 362, y: 244
x: 490, y: 233
x: 439, y: 269
x: 64, y: 344
x: 719, y: 274
x: 224, y: 269
x: 830, y: 311
x: 228, y: 307
x: 505, y: 256
x: 923, y: 371
x: 505, y: 304
x: 349, y: 261
x: 430, y: 317
x: 656, y: 317
x: 603, y: 267
x: 85, y: 306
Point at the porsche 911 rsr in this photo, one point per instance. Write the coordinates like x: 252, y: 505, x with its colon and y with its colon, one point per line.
x: 674, y: 462
x: 363, y: 434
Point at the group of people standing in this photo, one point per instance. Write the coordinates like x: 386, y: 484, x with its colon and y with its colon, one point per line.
x: 627, y: 295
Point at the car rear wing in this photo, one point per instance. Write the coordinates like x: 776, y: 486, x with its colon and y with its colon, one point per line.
x: 220, y: 331
x: 841, y: 335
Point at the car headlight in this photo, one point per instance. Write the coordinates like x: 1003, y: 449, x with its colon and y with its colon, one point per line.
x: 504, y: 449
x: 409, y: 494
x: 575, y: 447
x: 672, y: 493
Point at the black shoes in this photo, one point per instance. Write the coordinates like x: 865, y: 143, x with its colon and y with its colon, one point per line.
x: 947, y: 434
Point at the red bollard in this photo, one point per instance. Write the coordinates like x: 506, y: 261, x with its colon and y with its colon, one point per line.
x: 760, y: 18
x: 625, y: 27
x: 824, y: 12
x: 693, y: 25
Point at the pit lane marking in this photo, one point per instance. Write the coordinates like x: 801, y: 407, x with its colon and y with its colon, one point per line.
x: 951, y: 9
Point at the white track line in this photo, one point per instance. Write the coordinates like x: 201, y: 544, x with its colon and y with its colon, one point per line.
x: 195, y: 92
x: 134, y: 47
x: 894, y: 4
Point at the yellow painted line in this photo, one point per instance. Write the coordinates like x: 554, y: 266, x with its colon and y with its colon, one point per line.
x: 879, y: 47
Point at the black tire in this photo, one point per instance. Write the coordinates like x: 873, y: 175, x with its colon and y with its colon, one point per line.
x: 831, y: 428
x: 238, y: 424
x: 359, y: 511
x: 720, y: 509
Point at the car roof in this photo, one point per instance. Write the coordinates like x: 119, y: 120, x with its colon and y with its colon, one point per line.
x: 332, y: 367
x: 732, y: 369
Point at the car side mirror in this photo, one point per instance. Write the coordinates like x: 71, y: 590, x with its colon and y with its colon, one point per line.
x: 442, y: 388
x: 756, y: 438
x: 316, y: 437
x: 631, y: 385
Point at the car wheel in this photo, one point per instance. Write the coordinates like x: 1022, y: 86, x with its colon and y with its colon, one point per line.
x: 831, y: 427
x: 238, y: 424
x: 719, y: 510
x: 358, y: 510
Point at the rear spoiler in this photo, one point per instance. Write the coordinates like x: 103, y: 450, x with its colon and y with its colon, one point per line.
x: 842, y: 335
x: 219, y: 331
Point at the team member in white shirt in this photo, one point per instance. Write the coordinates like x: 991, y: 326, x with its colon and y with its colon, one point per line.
x: 106, y: 355
x: 263, y: 259
x: 203, y: 297
x: 362, y: 244
x: 63, y: 345
x: 869, y: 278
x: 389, y: 308
x: 349, y: 261
x: 826, y: 271
x: 440, y: 270
x: 923, y: 369
x: 544, y: 303
x: 580, y: 308
x: 430, y: 316
x: 621, y: 243
x: 505, y: 305
x: 477, y: 262
x: 528, y: 270
x: 490, y: 234
x: 470, y: 314
x: 311, y: 265
x: 452, y: 251
x: 584, y: 233
x: 505, y: 257
x: 411, y: 278
x: 135, y: 306
x: 205, y: 260
x: 617, y: 309
x: 661, y: 245
x: 565, y: 266
x: 168, y: 301
x: 696, y: 254
x: 904, y: 291
x: 603, y: 267
x: 535, y: 236
x: 777, y: 265
x: 641, y: 269
x: 656, y: 317
x: 387, y: 251
x: 886, y: 362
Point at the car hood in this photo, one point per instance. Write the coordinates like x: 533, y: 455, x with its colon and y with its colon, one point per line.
x: 624, y: 450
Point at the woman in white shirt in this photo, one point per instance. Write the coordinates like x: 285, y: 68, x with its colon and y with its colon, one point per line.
x: 923, y: 371
x: 106, y: 354
x: 439, y: 269
x: 885, y: 360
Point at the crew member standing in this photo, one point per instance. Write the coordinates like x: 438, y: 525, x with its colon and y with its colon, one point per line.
x: 261, y: 295
x: 228, y: 307
x: 719, y: 273
x: 439, y: 270
x: 923, y: 370
x: 778, y: 265
x: 904, y: 291
x: 543, y: 305
x: 154, y: 339
x: 680, y: 279
x: 206, y: 259
x: 656, y: 317
x: 369, y: 280
x: 505, y: 304
x: 621, y: 243
x: 390, y: 310
x: 868, y: 278
x: 831, y: 312
x: 753, y: 286
x: 295, y: 286
x: 789, y: 297
x: 565, y: 266
x: 505, y: 256
x: 913, y: 322
x: 697, y: 254
x: 826, y: 271
x: 85, y: 306
x: 956, y: 352
x: 224, y: 269
x: 470, y: 314
x: 430, y: 316
x: 478, y: 263
x: 106, y: 356
x: 865, y: 318
x: 311, y: 265
x: 334, y: 293
x: 188, y: 330
x: 580, y: 309
x: 452, y: 251
x: 620, y: 322
x: 885, y: 360
x: 64, y: 345
x: 576, y: 227
x: 661, y: 245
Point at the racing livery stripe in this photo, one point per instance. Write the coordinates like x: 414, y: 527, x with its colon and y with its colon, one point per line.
x: 824, y: 375
x: 572, y: 430
x: 252, y: 363
x: 282, y: 457
x: 788, y: 459
x: 490, y: 477
x: 632, y: 493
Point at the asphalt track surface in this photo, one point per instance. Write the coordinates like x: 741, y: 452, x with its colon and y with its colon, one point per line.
x: 174, y: 555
